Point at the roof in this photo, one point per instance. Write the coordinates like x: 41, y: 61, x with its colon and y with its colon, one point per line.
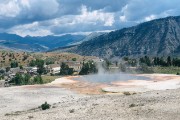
x: 69, y: 64
x: 53, y: 65
x: 72, y: 62
x: 15, y: 70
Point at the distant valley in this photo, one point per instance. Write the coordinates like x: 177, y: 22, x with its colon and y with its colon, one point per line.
x: 36, y: 44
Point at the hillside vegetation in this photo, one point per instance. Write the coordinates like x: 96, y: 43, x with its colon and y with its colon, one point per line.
x: 159, y: 37
x: 24, y: 58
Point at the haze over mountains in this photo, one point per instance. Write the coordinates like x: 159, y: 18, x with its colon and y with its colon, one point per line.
x: 37, y: 44
x: 159, y: 37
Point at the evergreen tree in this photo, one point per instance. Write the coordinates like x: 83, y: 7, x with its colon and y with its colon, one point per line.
x: 8, y: 69
x: 162, y: 62
x: 14, y: 64
x: 65, y: 70
x: 18, y: 79
x: 155, y: 62
x: 88, y: 68
x: 32, y: 63
x: 147, y: 61
x: 27, y: 79
x: 40, y: 66
x: 169, y: 62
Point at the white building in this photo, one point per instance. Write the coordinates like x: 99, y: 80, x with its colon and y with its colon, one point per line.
x: 53, y: 68
x: 34, y: 69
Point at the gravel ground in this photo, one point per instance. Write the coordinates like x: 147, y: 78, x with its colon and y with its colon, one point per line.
x: 21, y: 103
x: 22, y: 98
x: 154, y: 105
x: 2, y: 83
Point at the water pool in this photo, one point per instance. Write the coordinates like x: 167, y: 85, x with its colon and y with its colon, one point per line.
x: 108, y: 78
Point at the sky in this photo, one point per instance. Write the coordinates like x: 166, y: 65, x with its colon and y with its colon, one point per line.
x: 58, y: 17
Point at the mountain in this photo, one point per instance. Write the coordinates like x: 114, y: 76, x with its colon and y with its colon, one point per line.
x: 160, y: 37
x: 72, y: 45
x: 88, y: 37
x: 37, y: 44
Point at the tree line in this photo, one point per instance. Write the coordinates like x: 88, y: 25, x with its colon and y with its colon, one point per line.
x: 153, y: 61
x: 160, y: 61
x: 25, y: 79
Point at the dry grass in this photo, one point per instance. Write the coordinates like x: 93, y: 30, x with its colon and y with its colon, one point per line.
x: 166, y: 70
x: 49, y: 79
x: 23, y: 58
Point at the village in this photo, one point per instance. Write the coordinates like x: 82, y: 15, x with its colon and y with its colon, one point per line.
x: 41, y: 66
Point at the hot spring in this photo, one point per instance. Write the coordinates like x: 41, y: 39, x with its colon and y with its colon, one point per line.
x: 108, y: 78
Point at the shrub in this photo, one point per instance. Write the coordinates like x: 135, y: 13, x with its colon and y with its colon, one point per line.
x: 145, y: 69
x: 178, y: 73
x: 45, y: 106
x: 132, y: 105
x: 126, y: 93
x: 38, y: 80
x: 73, y: 59
x: 71, y: 111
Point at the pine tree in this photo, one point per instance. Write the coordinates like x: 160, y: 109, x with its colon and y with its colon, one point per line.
x: 169, y: 62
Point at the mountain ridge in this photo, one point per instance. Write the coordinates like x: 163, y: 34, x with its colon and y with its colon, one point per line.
x: 36, y: 44
x: 158, y: 37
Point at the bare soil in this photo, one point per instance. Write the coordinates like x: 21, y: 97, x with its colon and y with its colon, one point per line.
x: 68, y: 101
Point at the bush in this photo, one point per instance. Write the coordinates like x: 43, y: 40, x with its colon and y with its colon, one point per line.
x: 132, y: 105
x: 145, y: 69
x: 73, y: 59
x: 178, y: 73
x: 126, y: 93
x: 71, y: 111
x: 38, y: 80
x: 14, y: 64
x: 45, y: 106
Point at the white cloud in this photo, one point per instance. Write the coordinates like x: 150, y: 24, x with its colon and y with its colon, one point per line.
x: 30, y: 29
x: 10, y: 8
x: 43, y: 7
x: 94, y: 16
x: 44, y: 17
x: 151, y: 17
x: 122, y: 18
x: 25, y: 3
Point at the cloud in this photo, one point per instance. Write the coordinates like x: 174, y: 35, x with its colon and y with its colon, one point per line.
x: 18, y: 12
x: 32, y: 29
x: 9, y: 9
x: 84, y: 22
x: 94, y: 17
x: 138, y: 10
x: 44, y: 17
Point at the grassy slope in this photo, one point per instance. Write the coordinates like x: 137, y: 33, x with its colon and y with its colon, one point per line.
x: 49, y: 79
x: 166, y: 70
x: 6, y: 57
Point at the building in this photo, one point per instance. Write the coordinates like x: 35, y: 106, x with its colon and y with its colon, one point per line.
x: 53, y: 68
x: 34, y: 69
x: 75, y: 65
x: 31, y: 70
x: 13, y: 71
